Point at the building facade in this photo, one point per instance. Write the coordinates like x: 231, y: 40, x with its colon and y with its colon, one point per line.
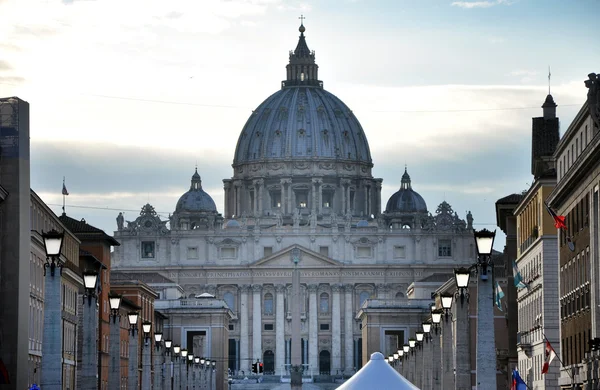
x: 302, y: 191
x: 576, y: 197
x: 43, y: 220
x: 537, y: 257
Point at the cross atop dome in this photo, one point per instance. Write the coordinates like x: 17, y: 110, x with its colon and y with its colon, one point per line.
x: 302, y: 69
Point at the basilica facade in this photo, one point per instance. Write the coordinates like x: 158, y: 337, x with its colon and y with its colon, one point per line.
x: 302, y: 189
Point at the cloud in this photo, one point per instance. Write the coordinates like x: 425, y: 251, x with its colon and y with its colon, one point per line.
x: 480, y: 4
x: 11, y: 80
x: 4, y: 66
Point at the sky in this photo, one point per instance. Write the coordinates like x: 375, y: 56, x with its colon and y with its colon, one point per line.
x: 126, y: 97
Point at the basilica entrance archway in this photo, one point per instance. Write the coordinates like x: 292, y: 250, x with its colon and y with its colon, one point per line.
x: 269, y: 363
x: 324, y: 363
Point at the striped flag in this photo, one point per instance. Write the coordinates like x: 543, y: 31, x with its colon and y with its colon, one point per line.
x: 499, y: 294
x: 518, y: 278
x: 550, y: 355
x: 559, y: 220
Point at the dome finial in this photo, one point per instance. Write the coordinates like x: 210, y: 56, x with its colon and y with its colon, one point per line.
x: 405, y: 182
x: 302, y: 28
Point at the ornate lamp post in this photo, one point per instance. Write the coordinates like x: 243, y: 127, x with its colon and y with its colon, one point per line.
x: 89, y: 353
x: 462, y: 277
x: 146, y: 356
x: 134, y: 377
x: 114, y: 374
x: 436, y: 318
x: 51, y: 377
x: 189, y: 378
x: 177, y: 368
x: 182, y: 373
x: 486, y: 345
x: 447, y: 304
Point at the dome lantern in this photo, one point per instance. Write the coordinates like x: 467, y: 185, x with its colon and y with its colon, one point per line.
x: 302, y: 69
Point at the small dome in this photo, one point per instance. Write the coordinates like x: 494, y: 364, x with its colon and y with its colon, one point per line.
x: 196, y: 199
x: 406, y: 200
x: 232, y: 223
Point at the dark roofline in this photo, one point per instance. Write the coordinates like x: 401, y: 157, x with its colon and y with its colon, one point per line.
x: 84, y: 231
x: 88, y: 255
x: 130, y: 303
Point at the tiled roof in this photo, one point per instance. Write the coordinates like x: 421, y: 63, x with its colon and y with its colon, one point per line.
x: 85, y: 231
x: 510, y: 199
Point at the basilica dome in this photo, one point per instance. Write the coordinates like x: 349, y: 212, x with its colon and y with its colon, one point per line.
x: 406, y: 200
x: 196, y: 200
x: 302, y: 121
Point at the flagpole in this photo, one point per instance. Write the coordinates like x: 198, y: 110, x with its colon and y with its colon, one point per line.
x: 63, y: 194
x: 558, y: 357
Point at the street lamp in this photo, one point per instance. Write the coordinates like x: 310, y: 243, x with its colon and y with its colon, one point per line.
x: 419, y: 336
x: 411, y: 343
x: 184, y: 353
x: 146, y: 326
x: 427, y: 330
x: 132, y: 316
x: 115, y: 304
x: 197, y: 359
x: 484, y: 240
x: 157, y: 339
x: 89, y: 282
x: 53, y: 241
x: 462, y: 276
x: 168, y: 344
x: 446, y: 304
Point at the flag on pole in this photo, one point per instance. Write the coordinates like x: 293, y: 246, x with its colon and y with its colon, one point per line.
x: 518, y: 278
x: 550, y: 355
x: 64, y: 190
x: 559, y: 220
x: 517, y: 382
x: 498, y: 295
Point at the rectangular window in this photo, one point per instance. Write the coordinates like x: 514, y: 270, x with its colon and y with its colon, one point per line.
x: 275, y: 199
x: 324, y: 250
x: 327, y: 199
x: 363, y: 251
x: 147, y: 249
x: 268, y: 251
x: 269, y: 327
x: 445, y: 248
x: 231, y: 327
x: 399, y: 252
x: 228, y: 253
x: 192, y: 253
x: 324, y: 327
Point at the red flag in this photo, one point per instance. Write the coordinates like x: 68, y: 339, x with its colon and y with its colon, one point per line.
x: 550, y: 355
x: 559, y: 220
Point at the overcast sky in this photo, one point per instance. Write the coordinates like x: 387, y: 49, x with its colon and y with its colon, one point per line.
x: 127, y: 96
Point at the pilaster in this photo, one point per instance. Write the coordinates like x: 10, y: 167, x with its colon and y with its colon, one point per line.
x: 348, y: 329
x: 244, y: 337
x: 280, y: 330
x: 336, y: 342
x: 312, y: 329
x: 256, y: 323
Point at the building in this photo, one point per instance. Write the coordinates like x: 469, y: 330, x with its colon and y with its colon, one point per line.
x: 43, y: 220
x: 537, y: 257
x: 302, y: 189
x: 576, y: 197
x: 15, y: 242
x: 96, y: 247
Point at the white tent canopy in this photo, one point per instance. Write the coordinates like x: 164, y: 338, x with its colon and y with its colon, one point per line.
x: 377, y: 374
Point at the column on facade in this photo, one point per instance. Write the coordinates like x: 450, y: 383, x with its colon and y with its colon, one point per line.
x: 350, y: 205
x: 244, y: 337
x: 486, y: 345
x: 348, y: 329
x: 313, y: 341
x: 282, y: 202
x: 313, y: 193
x: 280, y: 344
x: 238, y: 204
x: 343, y: 195
x: 366, y: 200
x: 114, y: 374
x: 378, y: 196
x: 461, y: 345
x: 226, y: 187
x: 256, y: 323
x: 447, y: 358
x: 51, y: 377
x: 336, y: 330
x: 260, y: 195
x: 320, y: 203
x: 290, y: 195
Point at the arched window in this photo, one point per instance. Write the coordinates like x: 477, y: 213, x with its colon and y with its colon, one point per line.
x: 268, y: 304
x: 228, y: 298
x: 324, y: 305
x: 363, y: 297
x: 399, y: 295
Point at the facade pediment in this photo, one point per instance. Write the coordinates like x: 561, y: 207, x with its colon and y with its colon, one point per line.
x: 284, y: 259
